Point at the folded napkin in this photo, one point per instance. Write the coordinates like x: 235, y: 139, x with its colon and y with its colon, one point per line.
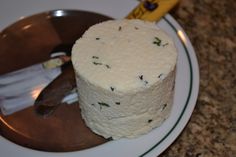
x: 19, y: 89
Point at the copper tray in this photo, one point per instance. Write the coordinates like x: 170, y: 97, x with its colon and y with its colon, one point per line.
x: 30, y: 41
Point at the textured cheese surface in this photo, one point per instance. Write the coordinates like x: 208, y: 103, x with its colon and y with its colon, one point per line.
x: 125, y: 71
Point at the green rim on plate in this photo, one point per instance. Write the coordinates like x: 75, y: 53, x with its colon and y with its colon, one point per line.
x: 189, y: 93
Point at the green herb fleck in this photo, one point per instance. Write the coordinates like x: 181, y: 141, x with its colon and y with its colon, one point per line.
x: 103, y: 104
x: 160, y: 76
x: 173, y: 87
x: 136, y: 28
x: 117, y: 103
x: 119, y: 28
x: 97, y: 38
x: 165, y: 44
x: 141, y: 77
x: 112, y: 88
x: 96, y: 63
x: 163, y: 107
x: 95, y: 57
x: 108, y: 66
x: 150, y: 120
x: 92, y: 104
x: 157, y: 41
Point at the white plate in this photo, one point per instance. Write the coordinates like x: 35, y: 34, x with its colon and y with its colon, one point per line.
x: 186, y: 89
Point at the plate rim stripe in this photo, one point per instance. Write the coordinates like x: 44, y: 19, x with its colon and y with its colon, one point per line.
x: 189, y: 94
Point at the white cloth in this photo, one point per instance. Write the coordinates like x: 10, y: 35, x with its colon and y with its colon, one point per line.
x: 20, y: 88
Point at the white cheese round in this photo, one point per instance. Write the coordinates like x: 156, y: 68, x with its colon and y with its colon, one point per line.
x: 125, y: 72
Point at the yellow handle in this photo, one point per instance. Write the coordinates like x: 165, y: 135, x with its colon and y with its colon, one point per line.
x: 152, y: 10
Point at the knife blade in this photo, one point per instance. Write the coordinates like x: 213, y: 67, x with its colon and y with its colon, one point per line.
x: 51, y: 96
x: 19, y: 89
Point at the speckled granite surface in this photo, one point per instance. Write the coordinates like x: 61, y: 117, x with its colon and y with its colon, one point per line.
x: 211, y: 131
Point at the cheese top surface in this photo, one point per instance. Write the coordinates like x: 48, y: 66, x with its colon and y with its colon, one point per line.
x: 124, y: 55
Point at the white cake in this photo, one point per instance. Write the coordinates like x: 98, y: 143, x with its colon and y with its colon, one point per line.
x: 125, y: 72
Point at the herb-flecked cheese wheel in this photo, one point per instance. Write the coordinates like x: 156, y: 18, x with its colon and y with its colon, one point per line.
x: 125, y: 72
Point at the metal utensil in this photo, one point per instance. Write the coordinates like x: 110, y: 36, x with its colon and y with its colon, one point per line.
x: 52, y: 96
x: 19, y: 89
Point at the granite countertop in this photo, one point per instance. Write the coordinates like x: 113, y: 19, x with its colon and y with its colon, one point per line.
x: 211, y: 131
